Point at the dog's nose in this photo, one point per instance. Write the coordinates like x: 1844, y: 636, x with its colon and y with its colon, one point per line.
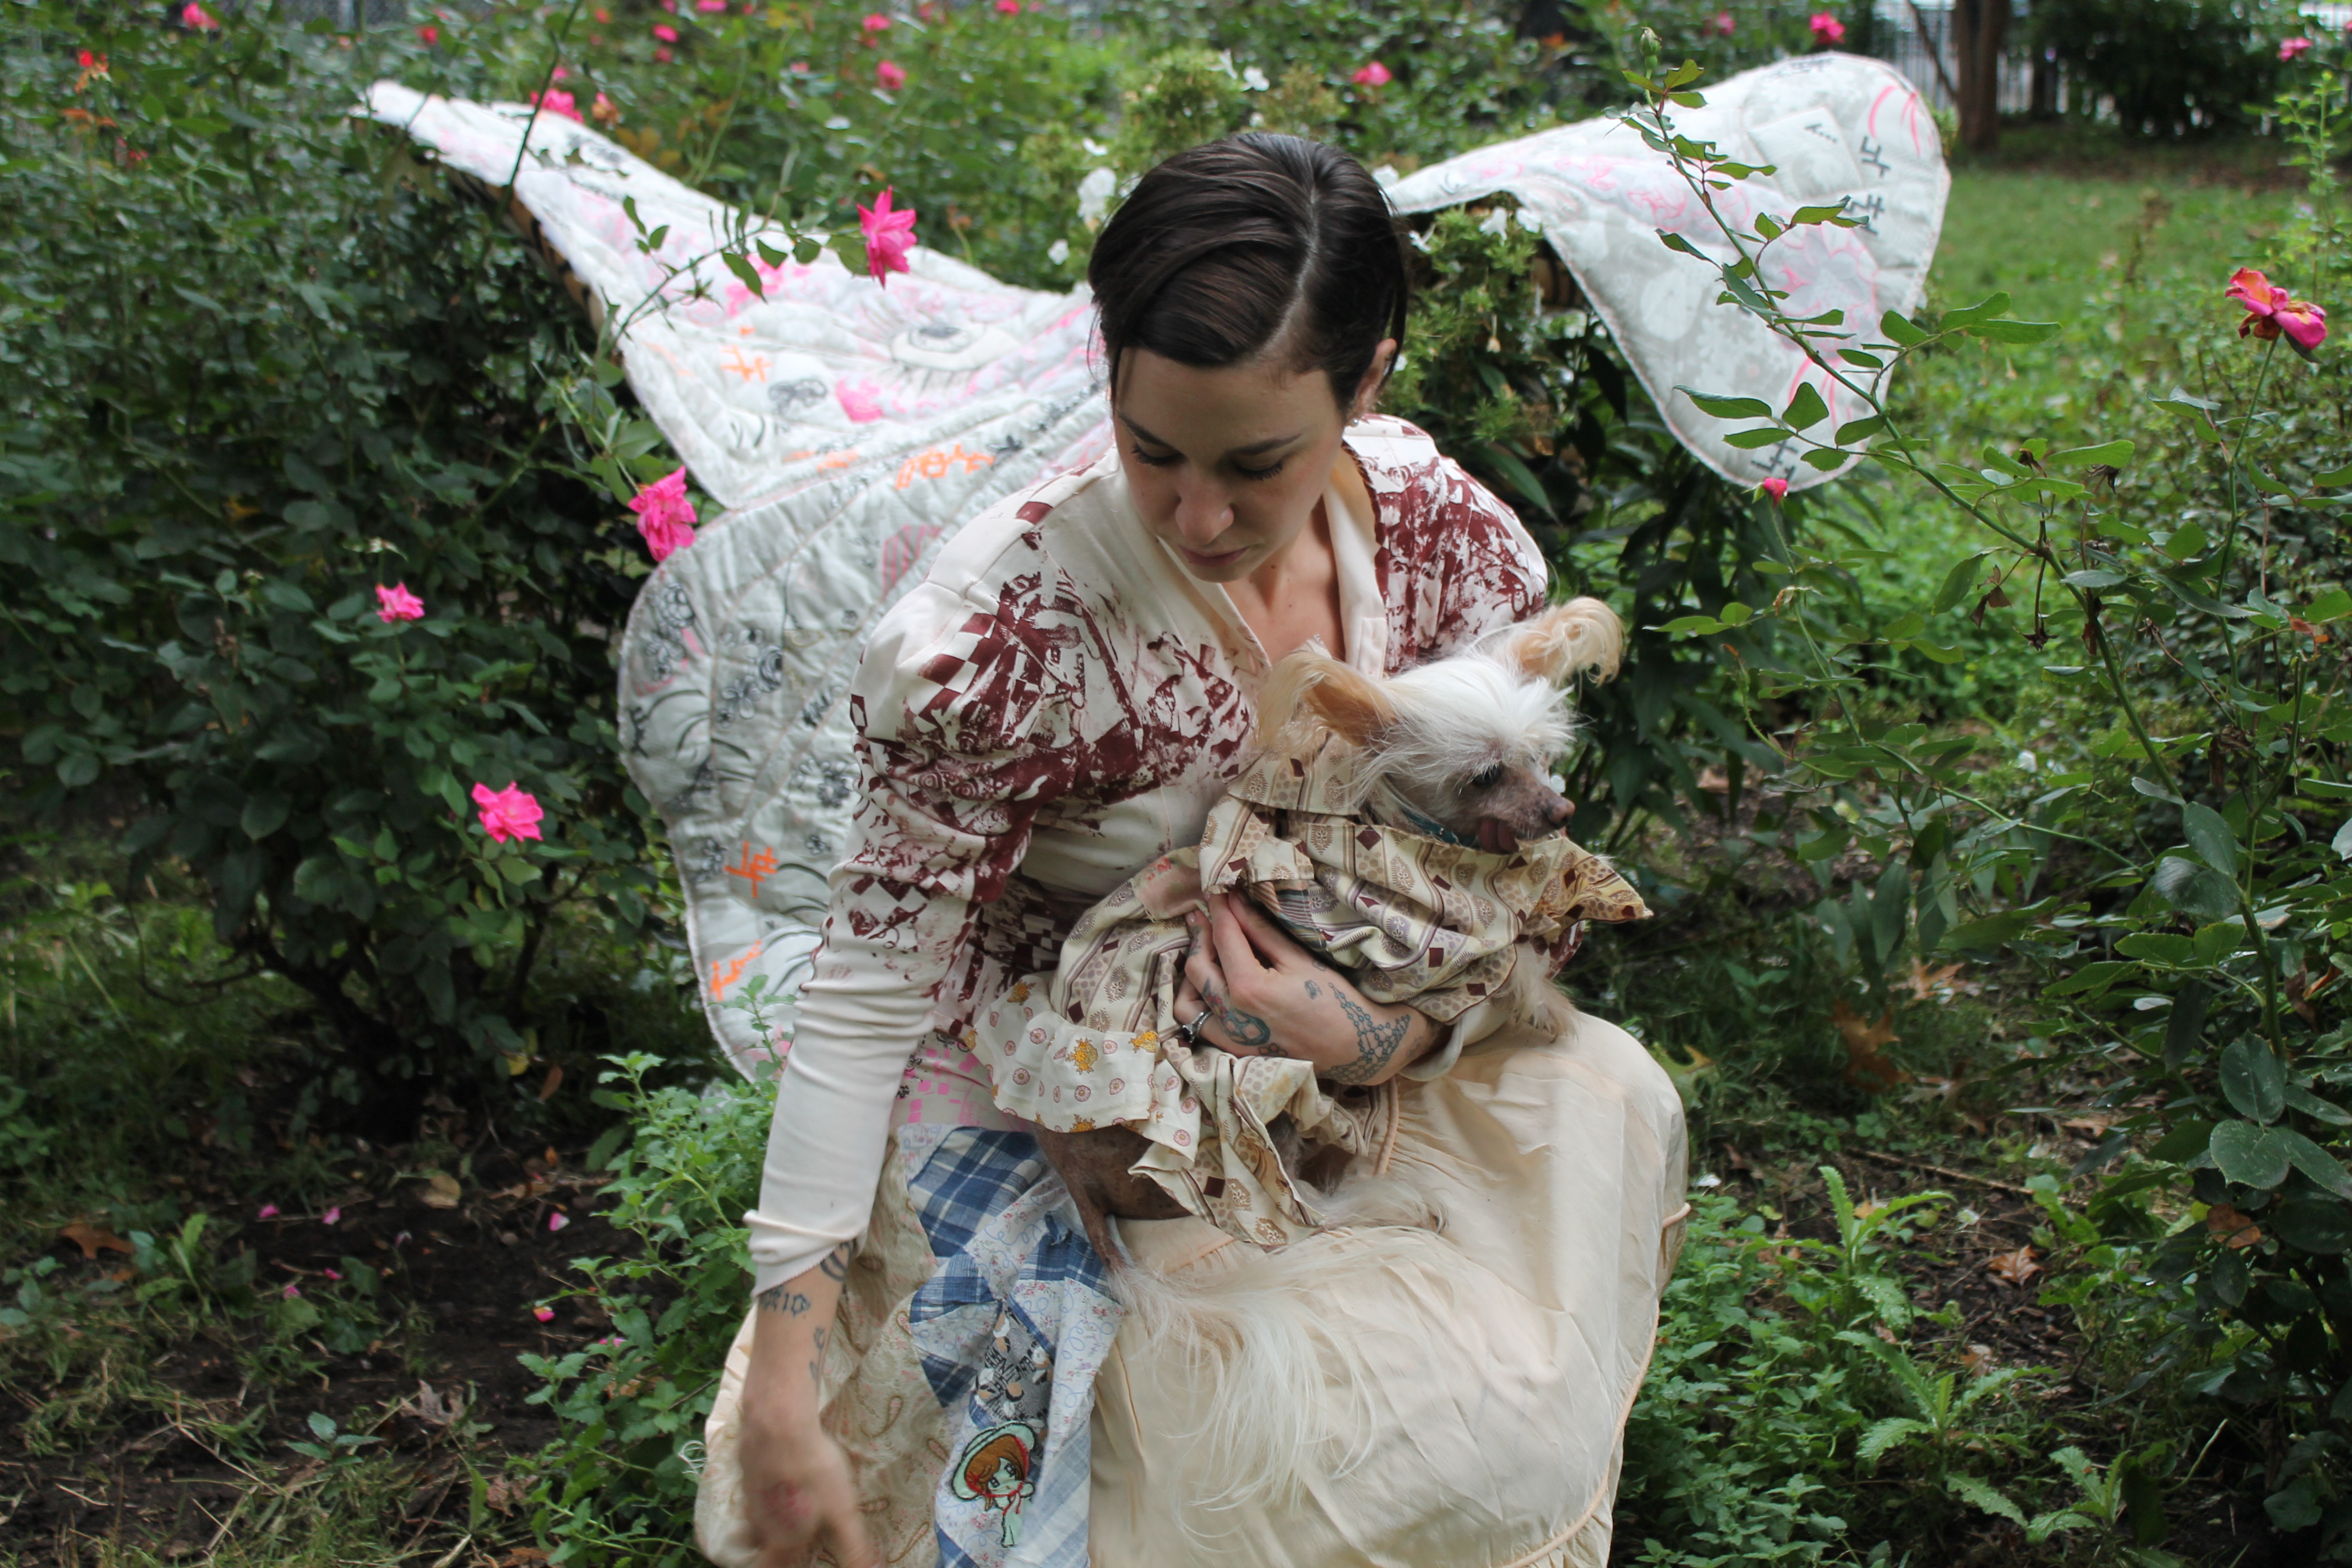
x: 1557, y: 813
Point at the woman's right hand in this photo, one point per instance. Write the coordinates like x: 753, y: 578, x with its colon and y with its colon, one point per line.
x: 798, y: 1485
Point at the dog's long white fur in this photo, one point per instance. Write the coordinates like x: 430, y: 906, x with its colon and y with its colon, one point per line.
x: 1284, y: 1386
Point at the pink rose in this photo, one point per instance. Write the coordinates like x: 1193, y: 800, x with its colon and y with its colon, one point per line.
x: 396, y: 603
x: 1008, y: 7
x: 331, y: 1274
x: 268, y: 1211
x: 876, y: 23
x: 431, y: 35
x: 2293, y: 47
x: 665, y: 518
x: 331, y: 1215
x: 1723, y: 23
x: 291, y: 1291
x: 707, y: 6
x: 558, y: 1220
x: 1828, y: 31
x: 665, y: 32
x: 552, y: 103
x: 2270, y: 311
x: 888, y: 237
x: 662, y: 55
x: 1373, y: 75
x: 194, y: 15
x: 1778, y: 488
x: 544, y: 1314
x: 889, y: 76
x: 508, y: 813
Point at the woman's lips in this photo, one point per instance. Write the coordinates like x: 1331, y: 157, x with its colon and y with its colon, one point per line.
x: 1201, y: 558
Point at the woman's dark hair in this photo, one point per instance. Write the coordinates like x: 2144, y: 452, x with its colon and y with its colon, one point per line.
x: 1254, y: 244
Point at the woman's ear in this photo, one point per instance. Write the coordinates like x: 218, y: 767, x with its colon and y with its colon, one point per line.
x: 1376, y: 375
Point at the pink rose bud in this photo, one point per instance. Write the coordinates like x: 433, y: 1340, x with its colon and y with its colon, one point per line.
x: 268, y: 1211
x: 2293, y: 47
x: 889, y: 76
x: 331, y: 1274
x: 557, y: 103
x: 508, y: 813
x: 558, y: 1220
x: 430, y: 34
x: 330, y: 1216
x: 1828, y: 30
x: 876, y: 23
x: 665, y: 32
x: 291, y: 1292
x: 1373, y: 75
x: 889, y: 236
x: 544, y: 1314
x: 396, y: 603
x: 195, y: 16
x: 1778, y: 488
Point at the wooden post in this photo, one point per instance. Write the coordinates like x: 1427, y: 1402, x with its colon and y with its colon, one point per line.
x: 1980, y: 27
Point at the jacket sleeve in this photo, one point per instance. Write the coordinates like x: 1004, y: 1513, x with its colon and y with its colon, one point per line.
x: 963, y: 736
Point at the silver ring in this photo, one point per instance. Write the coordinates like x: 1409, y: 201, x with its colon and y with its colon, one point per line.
x: 1192, y: 1031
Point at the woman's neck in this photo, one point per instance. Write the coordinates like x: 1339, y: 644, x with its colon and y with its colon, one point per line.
x: 1294, y: 596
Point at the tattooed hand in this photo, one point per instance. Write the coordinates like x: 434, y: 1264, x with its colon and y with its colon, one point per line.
x: 1265, y: 995
x: 798, y: 1486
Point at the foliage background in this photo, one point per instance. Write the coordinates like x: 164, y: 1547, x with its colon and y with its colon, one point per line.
x: 260, y: 358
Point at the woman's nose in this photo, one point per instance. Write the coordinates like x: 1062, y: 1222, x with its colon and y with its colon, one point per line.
x: 1203, y: 515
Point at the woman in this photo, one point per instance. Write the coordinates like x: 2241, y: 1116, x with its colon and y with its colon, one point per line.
x: 1055, y: 706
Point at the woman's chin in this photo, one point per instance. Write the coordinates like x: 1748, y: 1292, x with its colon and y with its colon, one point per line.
x: 1231, y: 566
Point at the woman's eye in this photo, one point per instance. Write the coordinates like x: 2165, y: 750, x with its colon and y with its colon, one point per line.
x: 1487, y: 778
x: 1147, y: 459
x: 1259, y: 473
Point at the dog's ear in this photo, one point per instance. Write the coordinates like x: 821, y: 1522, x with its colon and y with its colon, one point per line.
x: 1315, y: 683
x: 1580, y: 635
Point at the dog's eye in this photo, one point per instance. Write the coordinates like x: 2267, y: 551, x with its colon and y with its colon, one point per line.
x: 1487, y: 778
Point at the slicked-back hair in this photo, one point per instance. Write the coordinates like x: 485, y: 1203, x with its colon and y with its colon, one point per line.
x: 1256, y: 244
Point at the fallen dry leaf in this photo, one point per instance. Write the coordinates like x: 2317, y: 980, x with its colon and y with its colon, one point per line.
x: 435, y: 1409
x: 1715, y: 781
x: 2234, y: 1229
x: 1866, y: 1067
x: 2095, y: 1124
x: 93, y: 1240
x: 520, y: 1555
x: 501, y: 1496
x: 1924, y: 984
x: 2013, y: 1267
x: 550, y: 1083
x: 1978, y: 1360
x: 442, y: 1191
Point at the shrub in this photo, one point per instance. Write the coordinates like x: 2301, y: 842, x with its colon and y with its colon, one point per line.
x: 2172, y: 68
x: 258, y: 366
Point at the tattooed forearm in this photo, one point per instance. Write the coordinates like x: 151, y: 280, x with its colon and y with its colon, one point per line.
x: 782, y: 1298
x: 835, y: 1265
x: 1377, y: 1043
x: 816, y: 1377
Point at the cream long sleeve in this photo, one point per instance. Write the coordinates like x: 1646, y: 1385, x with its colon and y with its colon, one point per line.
x: 1054, y: 706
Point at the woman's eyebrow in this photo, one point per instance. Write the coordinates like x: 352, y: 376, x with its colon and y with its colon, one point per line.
x: 1251, y: 450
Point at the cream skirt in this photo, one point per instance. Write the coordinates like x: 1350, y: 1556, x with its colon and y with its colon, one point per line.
x: 1478, y: 1376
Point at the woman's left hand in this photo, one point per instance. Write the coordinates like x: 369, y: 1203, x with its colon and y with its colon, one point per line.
x: 1264, y: 994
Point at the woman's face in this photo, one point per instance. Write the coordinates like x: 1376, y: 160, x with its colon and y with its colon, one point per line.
x: 1227, y: 465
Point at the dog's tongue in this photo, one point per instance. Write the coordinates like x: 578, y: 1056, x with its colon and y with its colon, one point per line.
x: 1496, y: 838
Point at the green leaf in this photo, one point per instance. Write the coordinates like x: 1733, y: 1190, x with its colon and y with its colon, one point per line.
x: 1957, y: 582
x: 2333, y: 477
x: 1984, y: 309
x: 1521, y: 478
x: 2194, y: 889
x: 2211, y: 837
x: 1760, y: 436
x: 1806, y: 409
x: 2158, y: 947
x: 1673, y: 241
x: 1724, y: 408
x: 2342, y: 842
x: 2312, y: 1225
x: 265, y: 813
x: 2183, y: 1144
x: 2091, y: 978
x: 2332, y: 606
x: 2253, y: 1081
x: 742, y: 266
x: 1988, y: 933
x: 1893, y: 1432
x: 2324, y: 1169
x: 1854, y: 430
x: 2249, y: 1155
x: 1827, y: 458
x: 1817, y: 214
x: 2012, y: 332
x: 1900, y: 331
x: 1968, y: 1488
x: 2118, y: 453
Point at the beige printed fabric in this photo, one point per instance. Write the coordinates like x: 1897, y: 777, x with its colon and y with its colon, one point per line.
x: 1412, y: 918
